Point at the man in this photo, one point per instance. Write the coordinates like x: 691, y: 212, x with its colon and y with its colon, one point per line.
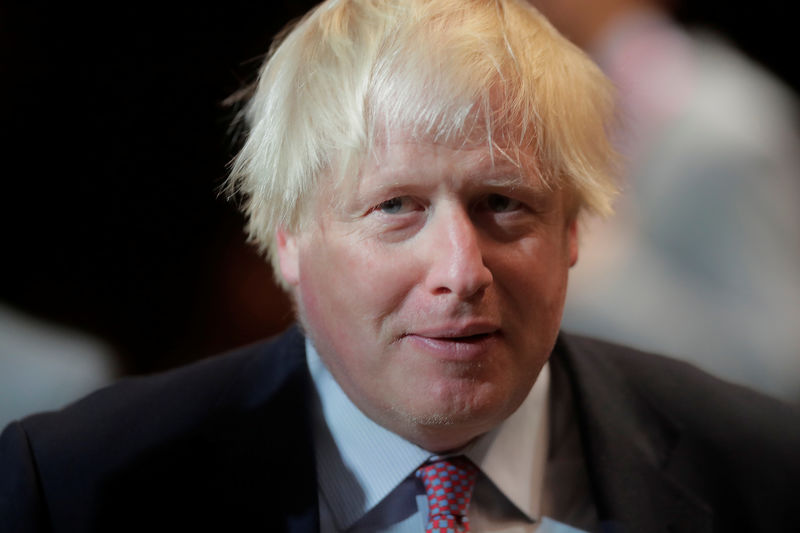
x: 415, y: 171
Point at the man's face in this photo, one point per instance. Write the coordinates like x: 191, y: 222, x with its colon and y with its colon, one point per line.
x: 434, y: 291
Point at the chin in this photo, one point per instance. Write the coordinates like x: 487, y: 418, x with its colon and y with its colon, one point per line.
x: 473, y: 413
x: 444, y: 431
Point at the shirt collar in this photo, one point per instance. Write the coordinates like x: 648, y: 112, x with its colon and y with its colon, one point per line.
x: 513, y: 456
x: 360, y: 462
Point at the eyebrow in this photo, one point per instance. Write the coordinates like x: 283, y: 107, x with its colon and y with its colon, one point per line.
x: 493, y: 173
x: 509, y: 180
x: 513, y: 177
x: 532, y: 188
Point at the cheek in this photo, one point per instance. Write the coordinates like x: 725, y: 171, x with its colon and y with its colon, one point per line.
x: 534, y: 276
x: 318, y: 287
x: 346, y: 281
x: 539, y: 258
x: 378, y: 278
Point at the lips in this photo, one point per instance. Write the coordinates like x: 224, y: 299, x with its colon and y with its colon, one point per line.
x: 455, y: 342
x: 472, y: 330
x: 466, y: 338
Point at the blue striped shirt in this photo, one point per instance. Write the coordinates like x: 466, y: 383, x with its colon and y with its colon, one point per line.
x: 366, y: 472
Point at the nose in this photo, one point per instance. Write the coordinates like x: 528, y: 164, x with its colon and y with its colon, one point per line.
x: 457, y: 264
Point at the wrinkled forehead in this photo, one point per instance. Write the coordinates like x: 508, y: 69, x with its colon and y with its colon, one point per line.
x: 407, y: 150
x: 478, y: 155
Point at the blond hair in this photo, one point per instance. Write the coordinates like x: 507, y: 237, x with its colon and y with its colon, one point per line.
x: 353, y: 70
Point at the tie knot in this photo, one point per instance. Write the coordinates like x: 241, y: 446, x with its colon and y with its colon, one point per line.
x: 448, y: 485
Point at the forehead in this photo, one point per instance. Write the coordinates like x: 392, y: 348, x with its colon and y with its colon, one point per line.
x: 425, y: 161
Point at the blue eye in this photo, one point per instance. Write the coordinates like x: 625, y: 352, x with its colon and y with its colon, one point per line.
x: 394, y: 206
x: 498, y: 203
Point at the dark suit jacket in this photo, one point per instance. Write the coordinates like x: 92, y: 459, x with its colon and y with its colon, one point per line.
x: 226, y: 445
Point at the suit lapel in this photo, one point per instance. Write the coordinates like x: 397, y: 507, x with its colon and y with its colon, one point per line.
x: 267, y: 441
x: 628, y: 447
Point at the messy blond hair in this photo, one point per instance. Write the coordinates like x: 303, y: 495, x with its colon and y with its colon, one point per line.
x: 354, y: 70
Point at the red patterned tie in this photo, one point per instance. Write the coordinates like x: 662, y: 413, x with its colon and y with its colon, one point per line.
x: 448, y: 485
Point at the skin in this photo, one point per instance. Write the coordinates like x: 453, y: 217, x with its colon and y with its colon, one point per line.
x: 434, y: 292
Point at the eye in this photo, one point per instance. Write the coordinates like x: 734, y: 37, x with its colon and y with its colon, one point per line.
x: 396, y: 206
x: 498, y: 203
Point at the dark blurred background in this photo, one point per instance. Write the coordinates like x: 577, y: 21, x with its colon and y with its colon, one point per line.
x: 114, y: 146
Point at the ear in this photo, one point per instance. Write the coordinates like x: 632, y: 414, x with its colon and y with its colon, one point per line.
x: 572, y: 241
x: 288, y: 256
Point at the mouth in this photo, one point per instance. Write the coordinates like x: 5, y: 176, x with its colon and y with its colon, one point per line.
x: 465, y: 338
x: 465, y: 332
x: 456, y: 343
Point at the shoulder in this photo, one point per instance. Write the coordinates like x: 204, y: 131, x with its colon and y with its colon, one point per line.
x: 189, y: 444
x: 679, y: 389
x: 167, y: 401
x: 648, y: 419
x: 734, y: 448
x: 658, y: 376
